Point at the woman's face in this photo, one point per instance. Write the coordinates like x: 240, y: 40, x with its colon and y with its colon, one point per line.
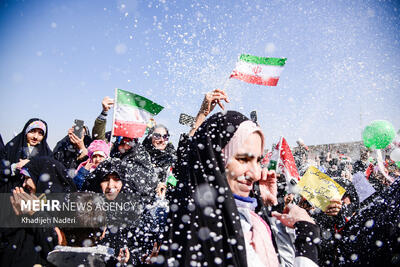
x: 159, y: 138
x: 35, y: 136
x: 111, y: 186
x: 244, y: 168
x: 97, y: 159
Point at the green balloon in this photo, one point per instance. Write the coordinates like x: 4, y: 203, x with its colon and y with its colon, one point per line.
x: 378, y: 134
x: 398, y: 164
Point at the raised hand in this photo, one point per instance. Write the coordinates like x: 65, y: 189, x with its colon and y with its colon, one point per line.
x: 107, y: 103
x: 211, y: 99
x: 268, y: 187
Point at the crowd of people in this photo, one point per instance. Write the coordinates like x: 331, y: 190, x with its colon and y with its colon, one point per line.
x: 210, y: 202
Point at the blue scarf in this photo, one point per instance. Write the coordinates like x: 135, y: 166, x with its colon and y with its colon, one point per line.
x: 245, y: 202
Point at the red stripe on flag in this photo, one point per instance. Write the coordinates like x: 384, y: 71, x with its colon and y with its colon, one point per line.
x: 129, y: 129
x: 254, y: 79
x: 288, y: 160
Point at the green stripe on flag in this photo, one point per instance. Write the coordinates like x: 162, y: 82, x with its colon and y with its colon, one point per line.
x: 131, y: 99
x: 171, y: 180
x: 272, y: 165
x: 274, y: 61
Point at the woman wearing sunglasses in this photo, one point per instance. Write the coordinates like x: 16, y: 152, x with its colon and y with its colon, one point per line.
x: 162, y: 153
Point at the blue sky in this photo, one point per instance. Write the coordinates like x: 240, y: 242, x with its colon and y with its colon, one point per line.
x: 60, y: 58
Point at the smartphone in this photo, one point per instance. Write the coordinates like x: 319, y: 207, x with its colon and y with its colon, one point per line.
x: 253, y: 116
x: 78, y: 128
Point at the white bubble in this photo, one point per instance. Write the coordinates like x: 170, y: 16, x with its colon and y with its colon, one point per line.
x: 191, y: 207
x: 354, y: 257
x: 378, y: 243
x: 174, y: 246
x: 208, y: 211
x: 174, y: 207
x: 120, y: 49
x: 270, y: 48
x: 369, y: 223
x: 160, y: 259
x: 326, y: 234
x: 317, y: 240
x: 114, y: 229
x: 218, y: 260
x: 87, y: 243
x: 205, y: 195
x: 204, y: 233
x: 230, y: 129
x: 53, y: 25
x: 185, y: 218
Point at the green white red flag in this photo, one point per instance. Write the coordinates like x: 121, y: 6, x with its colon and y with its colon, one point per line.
x: 258, y: 70
x: 282, y: 158
x: 132, y: 112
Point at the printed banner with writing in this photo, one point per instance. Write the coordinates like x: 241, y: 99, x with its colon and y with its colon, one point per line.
x: 318, y: 188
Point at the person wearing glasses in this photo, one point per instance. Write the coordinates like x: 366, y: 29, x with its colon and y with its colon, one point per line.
x: 162, y: 152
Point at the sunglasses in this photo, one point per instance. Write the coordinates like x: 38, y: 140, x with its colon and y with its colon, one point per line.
x: 158, y: 136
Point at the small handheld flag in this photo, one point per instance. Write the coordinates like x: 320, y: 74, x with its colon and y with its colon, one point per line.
x: 258, y: 70
x: 132, y: 112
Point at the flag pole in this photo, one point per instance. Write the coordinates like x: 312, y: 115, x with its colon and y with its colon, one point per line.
x: 113, y: 121
x: 279, y: 156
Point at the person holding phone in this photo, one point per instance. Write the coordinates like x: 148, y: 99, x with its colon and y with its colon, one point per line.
x: 72, y: 149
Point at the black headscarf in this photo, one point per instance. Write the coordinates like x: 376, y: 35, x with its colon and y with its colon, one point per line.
x: 29, y: 246
x: 136, y: 180
x: 49, y: 176
x: 139, y: 185
x: 67, y: 153
x: 205, y: 221
x: 161, y: 159
x: 17, y: 148
x: 2, y: 149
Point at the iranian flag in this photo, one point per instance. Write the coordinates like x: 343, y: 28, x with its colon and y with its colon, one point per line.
x: 258, y: 70
x: 282, y: 158
x: 132, y: 113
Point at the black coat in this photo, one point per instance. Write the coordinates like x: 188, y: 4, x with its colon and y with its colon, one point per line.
x: 67, y: 153
x: 29, y: 246
x: 17, y: 149
x: 161, y: 159
x: 202, y: 185
x: 139, y: 184
x: 331, y: 225
x: 2, y: 149
x: 370, y: 238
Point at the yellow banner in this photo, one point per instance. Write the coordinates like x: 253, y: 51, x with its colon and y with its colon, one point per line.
x: 318, y: 188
